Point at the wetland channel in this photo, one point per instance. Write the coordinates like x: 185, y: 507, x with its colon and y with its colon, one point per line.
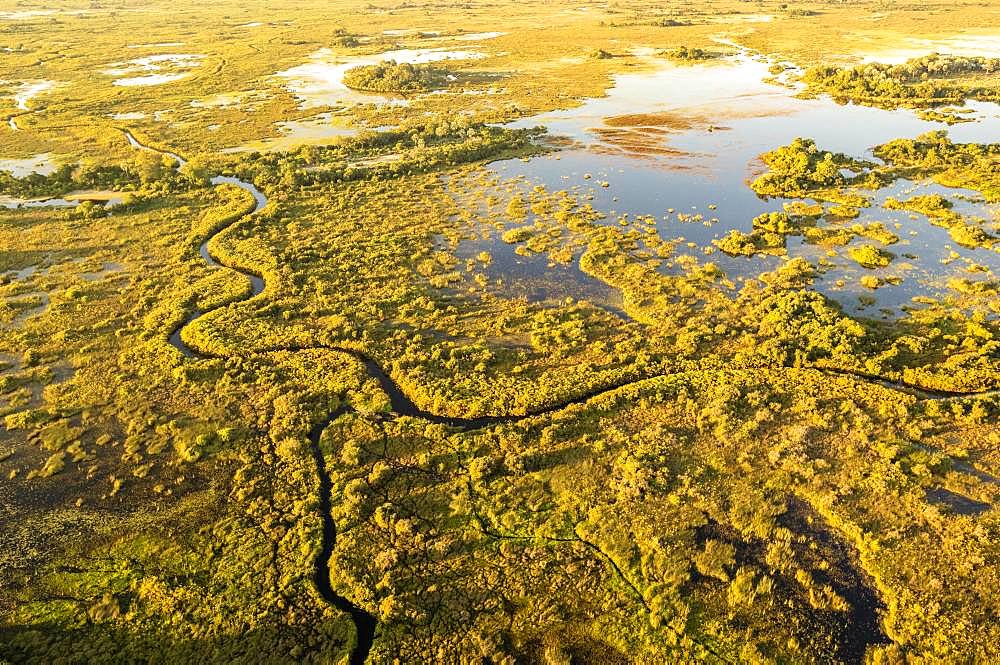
x: 401, y: 405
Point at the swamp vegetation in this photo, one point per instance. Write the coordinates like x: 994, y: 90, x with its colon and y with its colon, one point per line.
x: 289, y: 405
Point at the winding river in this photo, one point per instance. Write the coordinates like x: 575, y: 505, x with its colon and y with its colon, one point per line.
x: 401, y: 405
x: 364, y: 622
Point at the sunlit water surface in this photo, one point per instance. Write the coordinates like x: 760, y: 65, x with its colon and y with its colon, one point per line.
x: 685, y: 137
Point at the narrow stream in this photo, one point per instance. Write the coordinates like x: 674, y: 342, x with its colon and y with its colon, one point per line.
x: 364, y: 622
x: 256, y: 281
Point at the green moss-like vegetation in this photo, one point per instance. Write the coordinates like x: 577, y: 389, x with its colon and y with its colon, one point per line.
x: 391, y: 76
x: 737, y: 243
x: 926, y: 81
x: 689, y: 54
x: 948, y: 115
x: 869, y: 256
x: 969, y: 165
x: 565, y: 510
x: 801, y: 167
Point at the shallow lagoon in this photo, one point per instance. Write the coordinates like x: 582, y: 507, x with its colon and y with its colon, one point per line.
x: 148, y: 70
x: 683, y: 137
x: 43, y: 164
x: 320, y: 82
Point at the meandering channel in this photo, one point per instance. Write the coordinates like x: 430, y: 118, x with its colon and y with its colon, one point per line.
x: 401, y: 405
x: 365, y: 623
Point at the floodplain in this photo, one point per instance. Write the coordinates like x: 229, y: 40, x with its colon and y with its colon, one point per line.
x: 533, y: 332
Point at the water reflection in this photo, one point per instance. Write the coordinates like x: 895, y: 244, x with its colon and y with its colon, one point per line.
x: 685, y: 137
